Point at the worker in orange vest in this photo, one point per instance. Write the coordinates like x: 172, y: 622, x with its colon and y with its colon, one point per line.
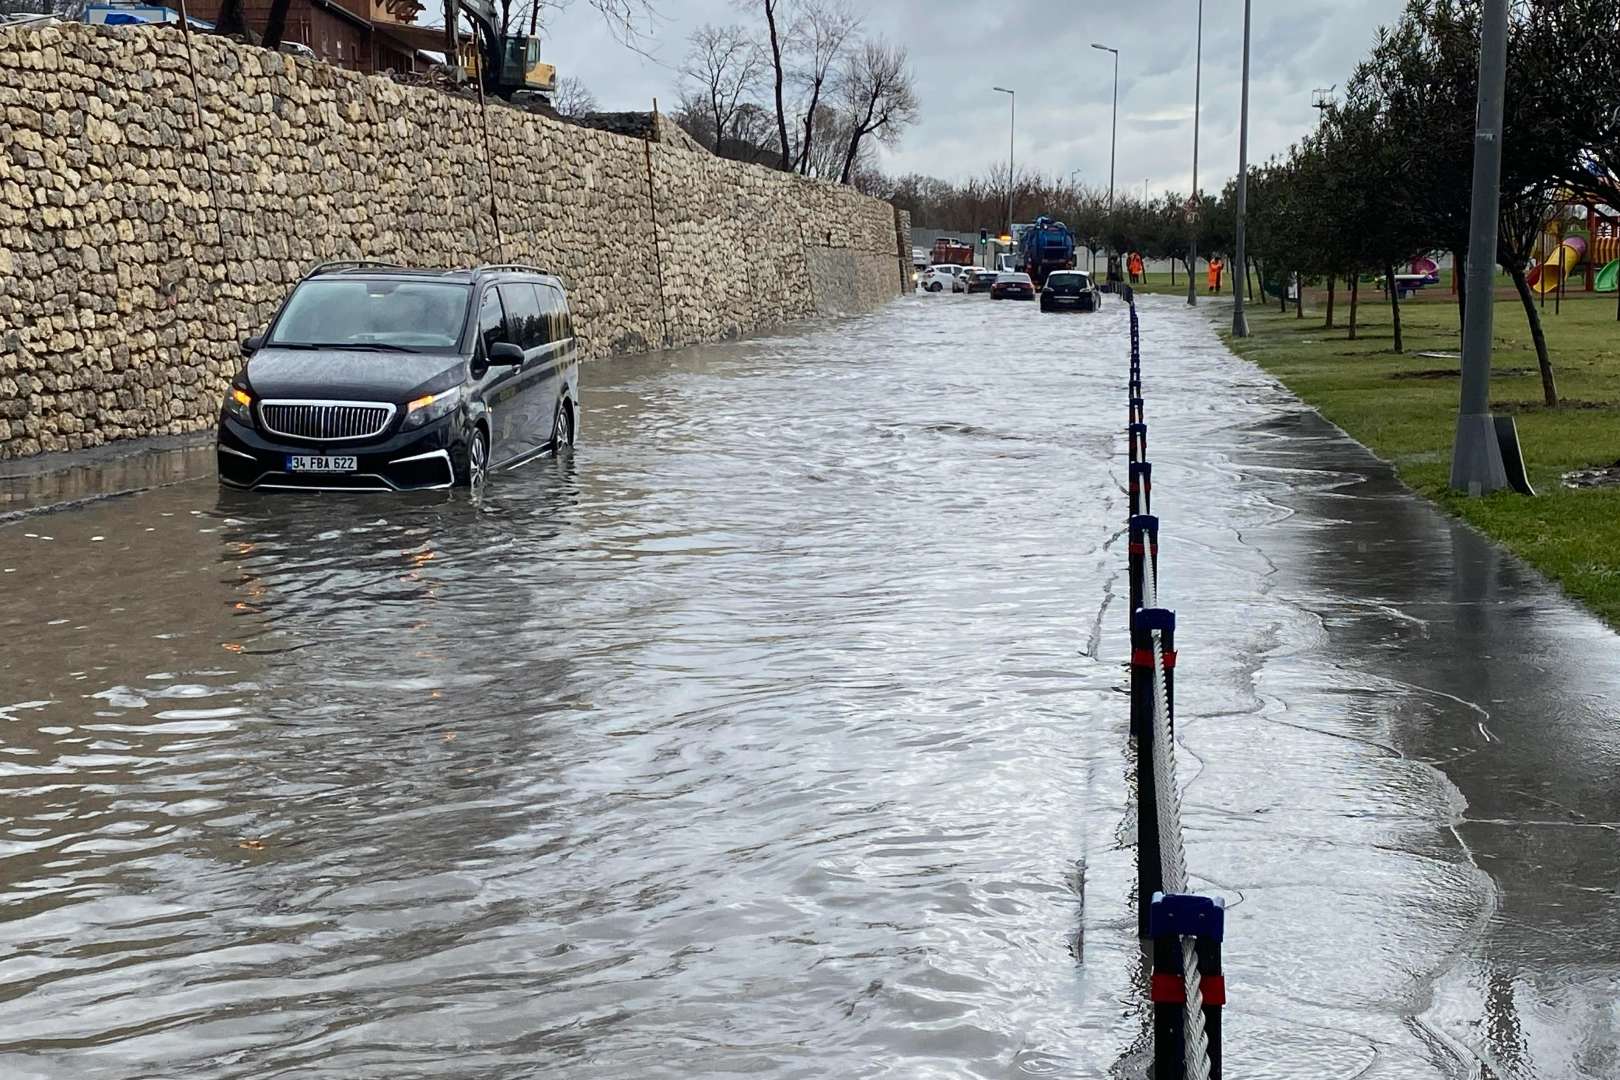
x: 1215, y: 268
x: 1136, y: 267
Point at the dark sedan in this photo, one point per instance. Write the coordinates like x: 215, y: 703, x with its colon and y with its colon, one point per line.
x: 1012, y: 287
x: 980, y: 280
x: 1069, y: 290
x: 373, y: 377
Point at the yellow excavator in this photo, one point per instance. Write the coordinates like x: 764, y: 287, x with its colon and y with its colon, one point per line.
x: 507, y: 63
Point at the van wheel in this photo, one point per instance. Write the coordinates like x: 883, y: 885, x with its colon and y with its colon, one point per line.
x: 562, y: 431
x: 475, y: 470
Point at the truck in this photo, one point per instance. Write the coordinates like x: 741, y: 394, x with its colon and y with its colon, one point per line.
x: 1045, y: 246
x: 952, y: 252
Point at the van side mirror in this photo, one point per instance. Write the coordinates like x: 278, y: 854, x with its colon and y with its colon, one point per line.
x: 252, y: 344
x: 505, y: 354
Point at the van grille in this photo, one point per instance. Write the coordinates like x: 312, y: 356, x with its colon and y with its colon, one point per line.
x: 325, y: 421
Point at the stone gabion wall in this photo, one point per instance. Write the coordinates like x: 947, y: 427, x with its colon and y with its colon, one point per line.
x: 138, y: 247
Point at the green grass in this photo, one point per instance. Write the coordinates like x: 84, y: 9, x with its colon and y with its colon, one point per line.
x: 1401, y: 408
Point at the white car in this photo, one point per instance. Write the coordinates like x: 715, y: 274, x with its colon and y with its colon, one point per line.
x: 940, y: 277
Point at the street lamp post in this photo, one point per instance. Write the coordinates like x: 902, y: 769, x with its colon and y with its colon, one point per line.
x: 1012, y: 127
x: 1240, y: 275
x: 1113, y: 135
x: 1476, y: 455
x: 1194, y: 204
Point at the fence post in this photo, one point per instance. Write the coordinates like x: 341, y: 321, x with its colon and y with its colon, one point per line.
x: 1143, y: 553
x: 1137, y: 434
x: 1141, y: 487
x: 1149, y: 858
x: 1202, y: 918
x: 1138, y: 413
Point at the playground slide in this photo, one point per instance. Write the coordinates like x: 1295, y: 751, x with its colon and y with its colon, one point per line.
x: 1570, y: 254
x: 1607, y: 277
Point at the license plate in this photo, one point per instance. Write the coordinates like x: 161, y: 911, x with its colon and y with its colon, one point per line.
x: 321, y: 463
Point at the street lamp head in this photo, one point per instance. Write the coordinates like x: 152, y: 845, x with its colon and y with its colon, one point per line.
x: 1104, y: 48
x: 1003, y: 90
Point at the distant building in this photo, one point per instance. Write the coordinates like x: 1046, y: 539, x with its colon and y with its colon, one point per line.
x: 361, y: 35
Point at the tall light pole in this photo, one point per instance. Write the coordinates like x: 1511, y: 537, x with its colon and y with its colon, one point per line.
x: 1113, y: 136
x: 1476, y: 456
x: 1012, y: 127
x: 1240, y: 275
x: 1194, y: 205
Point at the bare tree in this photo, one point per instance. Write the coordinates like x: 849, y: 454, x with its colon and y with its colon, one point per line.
x: 880, y: 97
x: 825, y: 158
x: 573, y: 98
x: 827, y: 28
x: 779, y: 32
x: 722, y: 69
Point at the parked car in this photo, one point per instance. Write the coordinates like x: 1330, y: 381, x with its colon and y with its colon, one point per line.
x: 919, y: 258
x: 375, y: 377
x: 980, y: 279
x: 1014, y: 286
x: 1070, y: 290
x: 940, y: 277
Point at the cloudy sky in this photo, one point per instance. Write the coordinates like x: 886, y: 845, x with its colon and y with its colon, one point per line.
x: 1041, y: 48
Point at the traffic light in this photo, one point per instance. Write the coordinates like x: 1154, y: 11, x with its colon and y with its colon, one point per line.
x: 984, y: 236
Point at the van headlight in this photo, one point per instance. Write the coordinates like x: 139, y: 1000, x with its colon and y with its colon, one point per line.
x: 239, y: 404
x: 431, y: 407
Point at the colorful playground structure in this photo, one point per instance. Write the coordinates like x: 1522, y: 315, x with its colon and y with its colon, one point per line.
x: 1559, y: 256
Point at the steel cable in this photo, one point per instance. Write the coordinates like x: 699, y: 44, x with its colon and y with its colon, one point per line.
x: 1172, y: 851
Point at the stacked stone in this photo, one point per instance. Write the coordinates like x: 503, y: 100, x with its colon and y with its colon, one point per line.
x: 139, y: 245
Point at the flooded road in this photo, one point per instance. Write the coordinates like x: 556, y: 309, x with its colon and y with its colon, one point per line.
x: 780, y: 733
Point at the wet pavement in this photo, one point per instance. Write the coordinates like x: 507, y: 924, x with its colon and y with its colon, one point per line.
x: 780, y: 733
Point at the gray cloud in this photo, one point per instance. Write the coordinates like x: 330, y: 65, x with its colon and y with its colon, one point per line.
x: 1041, y: 48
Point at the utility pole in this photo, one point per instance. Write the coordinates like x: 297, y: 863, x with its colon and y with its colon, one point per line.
x: 1113, y: 129
x: 1012, y: 128
x: 1193, y: 203
x: 1240, y: 273
x: 1476, y: 456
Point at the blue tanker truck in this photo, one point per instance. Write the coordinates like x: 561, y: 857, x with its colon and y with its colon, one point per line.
x: 1045, y: 246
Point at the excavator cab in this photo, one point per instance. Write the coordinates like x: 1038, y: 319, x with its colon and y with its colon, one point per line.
x: 519, y: 66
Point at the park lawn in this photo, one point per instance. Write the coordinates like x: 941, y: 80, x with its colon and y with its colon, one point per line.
x: 1404, y: 408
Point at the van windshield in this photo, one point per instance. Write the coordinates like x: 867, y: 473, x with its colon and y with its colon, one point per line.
x: 379, y: 314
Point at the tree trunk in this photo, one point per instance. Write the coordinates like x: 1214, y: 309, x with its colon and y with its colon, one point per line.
x: 1394, y: 305
x: 1329, y: 324
x: 1549, y: 389
x: 776, y: 63
x: 276, y: 24
x: 1282, y: 299
x: 860, y: 131
x: 1355, y: 291
x: 1299, y: 296
x: 232, y: 19
x: 1249, y: 285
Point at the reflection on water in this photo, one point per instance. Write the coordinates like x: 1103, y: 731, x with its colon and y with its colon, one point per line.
x: 779, y: 733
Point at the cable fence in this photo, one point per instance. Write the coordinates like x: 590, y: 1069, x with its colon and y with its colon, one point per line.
x: 1183, y: 930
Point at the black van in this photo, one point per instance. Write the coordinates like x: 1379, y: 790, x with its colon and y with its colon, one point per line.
x: 378, y: 377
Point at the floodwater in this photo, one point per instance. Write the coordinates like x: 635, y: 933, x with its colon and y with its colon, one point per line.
x: 780, y: 733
